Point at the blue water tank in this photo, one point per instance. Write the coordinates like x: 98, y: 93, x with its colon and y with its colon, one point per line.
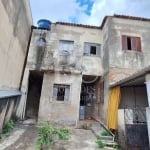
x: 44, y: 24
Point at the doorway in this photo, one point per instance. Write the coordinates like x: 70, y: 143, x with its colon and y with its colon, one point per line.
x: 88, y: 97
x: 34, y: 94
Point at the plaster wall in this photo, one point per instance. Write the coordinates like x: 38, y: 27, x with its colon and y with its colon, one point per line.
x: 14, y: 34
x: 60, y: 112
x: 125, y: 62
x: 88, y: 65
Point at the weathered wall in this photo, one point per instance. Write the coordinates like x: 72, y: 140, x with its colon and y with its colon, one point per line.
x: 14, y: 34
x: 61, y: 112
x: 89, y: 65
x: 123, y: 63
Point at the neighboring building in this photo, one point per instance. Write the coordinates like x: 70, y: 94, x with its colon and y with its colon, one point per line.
x: 15, y: 29
x: 70, y: 68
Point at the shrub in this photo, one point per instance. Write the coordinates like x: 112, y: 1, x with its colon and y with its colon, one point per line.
x: 48, y: 134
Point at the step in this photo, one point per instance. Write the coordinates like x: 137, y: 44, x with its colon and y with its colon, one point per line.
x: 110, y: 144
x: 106, y: 138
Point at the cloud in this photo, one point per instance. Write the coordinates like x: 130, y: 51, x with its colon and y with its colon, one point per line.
x: 101, y: 8
x: 57, y: 10
x: 87, y: 11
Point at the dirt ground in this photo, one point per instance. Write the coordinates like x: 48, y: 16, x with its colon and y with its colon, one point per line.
x: 24, y: 138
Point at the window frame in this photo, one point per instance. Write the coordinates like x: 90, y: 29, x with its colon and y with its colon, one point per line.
x: 67, y: 91
x: 64, y: 43
x: 87, y: 49
x: 134, y: 41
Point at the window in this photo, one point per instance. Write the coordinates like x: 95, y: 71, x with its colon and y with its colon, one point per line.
x: 66, y: 46
x: 61, y: 92
x: 131, y: 43
x: 91, y: 49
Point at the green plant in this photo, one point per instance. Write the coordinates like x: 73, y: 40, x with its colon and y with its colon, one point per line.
x: 8, y: 127
x: 48, y: 134
x: 105, y: 133
x: 63, y: 133
x: 100, y: 143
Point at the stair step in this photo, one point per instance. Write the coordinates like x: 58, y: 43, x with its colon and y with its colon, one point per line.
x: 107, y: 138
x: 110, y: 144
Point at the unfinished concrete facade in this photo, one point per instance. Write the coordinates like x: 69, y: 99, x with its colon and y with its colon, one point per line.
x: 126, y: 52
x: 75, y: 63
x: 15, y: 30
x: 70, y: 62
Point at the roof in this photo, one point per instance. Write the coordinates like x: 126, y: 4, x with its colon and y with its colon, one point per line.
x: 132, y: 77
x: 78, y: 25
x: 9, y: 93
x: 103, y: 22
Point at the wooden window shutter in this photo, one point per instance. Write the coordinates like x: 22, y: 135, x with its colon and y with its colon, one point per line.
x: 133, y: 44
x: 124, y: 42
x: 138, y: 44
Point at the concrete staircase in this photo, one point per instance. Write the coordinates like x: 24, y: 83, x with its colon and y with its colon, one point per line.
x: 97, y: 128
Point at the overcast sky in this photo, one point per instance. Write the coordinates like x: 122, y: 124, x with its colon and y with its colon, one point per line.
x: 87, y: 11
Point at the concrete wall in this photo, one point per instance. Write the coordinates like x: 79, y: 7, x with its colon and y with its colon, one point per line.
x: 14, y: 34
x: 61, y: 112
x: 117, y: 63
x: 89, y: 65
x: 123, y: 63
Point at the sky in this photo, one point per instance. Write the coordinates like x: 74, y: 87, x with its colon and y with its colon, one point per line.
x: 89, y: 12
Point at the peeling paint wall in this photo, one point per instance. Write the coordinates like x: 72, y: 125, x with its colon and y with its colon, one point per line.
x: 14, y: 34
x: 89, y: 65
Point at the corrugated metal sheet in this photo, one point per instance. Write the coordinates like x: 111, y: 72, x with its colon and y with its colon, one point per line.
x: 9, y: 93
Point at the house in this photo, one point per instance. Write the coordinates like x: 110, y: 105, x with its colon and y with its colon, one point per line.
x: 70, y: 69
x: 15, y: 28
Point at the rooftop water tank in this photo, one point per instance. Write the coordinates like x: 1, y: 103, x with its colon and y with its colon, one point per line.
x: 44, y: 24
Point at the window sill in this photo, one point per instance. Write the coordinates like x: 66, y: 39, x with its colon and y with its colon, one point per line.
x: 132, y: 51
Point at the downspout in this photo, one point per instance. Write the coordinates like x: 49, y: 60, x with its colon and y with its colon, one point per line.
x: 25, y: 61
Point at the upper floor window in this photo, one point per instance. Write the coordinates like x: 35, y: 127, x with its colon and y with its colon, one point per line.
x: 61, y: 92
x: 131, y: 43
x: 91, y: 49
x: 66, y: 46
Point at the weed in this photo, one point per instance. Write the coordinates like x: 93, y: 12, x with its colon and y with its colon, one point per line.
x: 48, y: 134
x: 100, y: 143
x: 8, y: 127
x: 105, y: 133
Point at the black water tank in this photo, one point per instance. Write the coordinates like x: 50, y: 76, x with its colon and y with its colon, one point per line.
x: 44, y: 24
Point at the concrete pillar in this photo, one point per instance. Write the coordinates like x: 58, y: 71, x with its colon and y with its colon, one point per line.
x: 148, y: 122
x: 121, y: 128
x: 147, y: 78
